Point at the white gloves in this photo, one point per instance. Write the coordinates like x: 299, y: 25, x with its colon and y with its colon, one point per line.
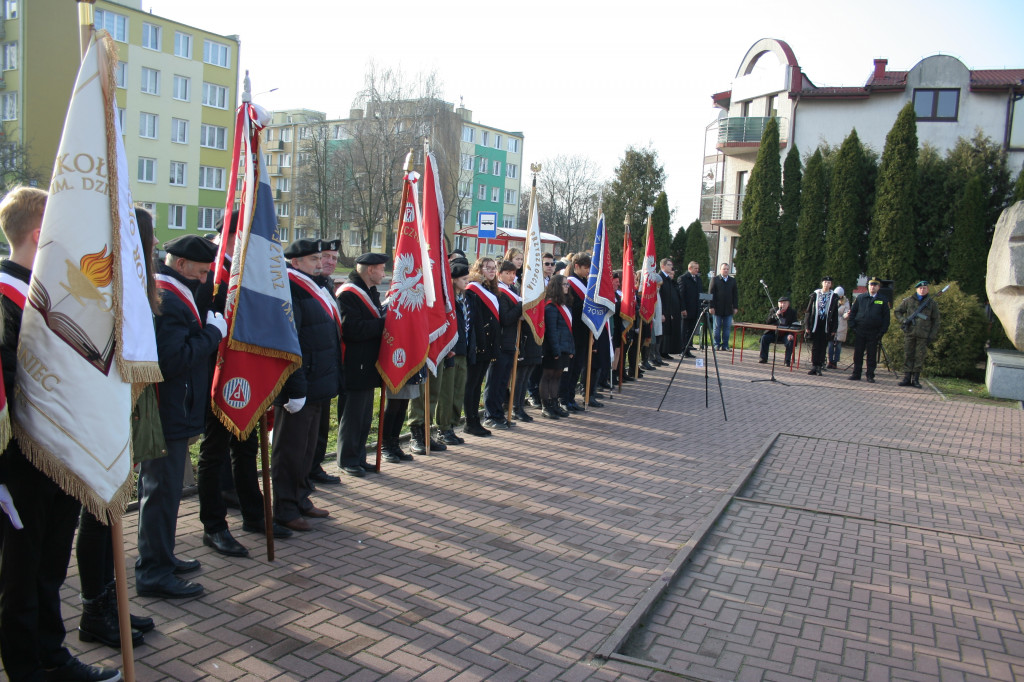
x: 294, y: 405
x: 7, y: 503
x: 217, y: 320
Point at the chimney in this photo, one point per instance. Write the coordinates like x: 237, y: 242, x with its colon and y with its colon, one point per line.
x: 880, y: 65
x: 355, y: 113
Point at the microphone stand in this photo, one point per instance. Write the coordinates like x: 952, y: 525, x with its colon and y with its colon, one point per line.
x: 775, y: 341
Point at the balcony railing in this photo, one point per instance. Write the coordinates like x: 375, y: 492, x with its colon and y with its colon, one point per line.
x: 721, y: 207
x: 740, y: 129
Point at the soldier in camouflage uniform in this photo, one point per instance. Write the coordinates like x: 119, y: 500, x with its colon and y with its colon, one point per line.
x: 919, y: 317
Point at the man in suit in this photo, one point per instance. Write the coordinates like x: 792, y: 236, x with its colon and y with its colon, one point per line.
x: 725, y: 300
x: 671, y: 309
x: 690, y: 289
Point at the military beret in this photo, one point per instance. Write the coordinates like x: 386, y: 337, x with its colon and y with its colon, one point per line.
x: 922, y: 283
x: 192, y: 247
x: 459, y: 270
x: 232, y: 226
x: 211, y: 236
x: 333, y: 245
x: 826, y: 278
x: 459, y: 260
x: 783, y: 298
x: 457, y: 252
x: 303, y: 247
x: 372, y: 259
x: 875, y: 280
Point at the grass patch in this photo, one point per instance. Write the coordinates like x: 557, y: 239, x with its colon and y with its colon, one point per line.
x: 971, y: 390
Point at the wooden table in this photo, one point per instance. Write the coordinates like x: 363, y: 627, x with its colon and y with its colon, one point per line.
x: 742, y: 327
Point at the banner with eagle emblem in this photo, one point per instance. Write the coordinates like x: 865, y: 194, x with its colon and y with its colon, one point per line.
x: 403, y: 350
x: 648, y: 277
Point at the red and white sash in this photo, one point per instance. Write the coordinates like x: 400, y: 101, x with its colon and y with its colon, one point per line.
x: 14, y: 289
x: 489, y: 299
x: 317, y: 292
x: 507, y: 290
x: 181, y: 291
x: 565, y: 312
x: 363, y: 296
x: 578, y: 286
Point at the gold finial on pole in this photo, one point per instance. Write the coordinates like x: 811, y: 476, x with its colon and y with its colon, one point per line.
x: 86, y: 19
x: 535, y: 169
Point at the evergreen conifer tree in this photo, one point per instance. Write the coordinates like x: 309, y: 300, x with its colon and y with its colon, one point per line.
x: 968, y: 248
x: 809, y: 244
x: 758, y: 250
x: 1018, y: 188
x: 792, y: 179
x: 660, y: 220
x: 845, y: 225
x: 638, y: 179
x: 931, y: 207
x: 891, y: 251
x: 678, y: 249
x: 697, y: 250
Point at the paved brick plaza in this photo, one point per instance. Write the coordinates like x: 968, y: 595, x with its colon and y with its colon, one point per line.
x: 829, y: 530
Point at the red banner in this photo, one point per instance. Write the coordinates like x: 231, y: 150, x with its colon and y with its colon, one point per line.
x: 648, y: 283
x: 628, y: 307
x: 443, y: 325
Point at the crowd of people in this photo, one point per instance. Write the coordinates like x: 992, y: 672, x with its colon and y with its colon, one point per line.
x: 496, y: 368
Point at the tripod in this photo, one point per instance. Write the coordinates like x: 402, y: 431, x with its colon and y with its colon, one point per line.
x: 775, y: 341
x: 702, y: 323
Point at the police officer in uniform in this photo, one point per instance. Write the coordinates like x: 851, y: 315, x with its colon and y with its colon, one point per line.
x: 918, y: 314
x: 869, y: 320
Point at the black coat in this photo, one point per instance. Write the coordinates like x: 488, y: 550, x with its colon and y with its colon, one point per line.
x: 690, y: 289
x: 869, y: 315
x: 318, y: 379
x: 362, y: 332
x: 580, y: 331
x: 557, y: 336
x: 184, y: 346
x: 725, y: 295
x: 509, y: 312
x: 831, y: 321
x: 461, y: 346
x: 672, y: 309
x: 486, y: 331
x: 9, y: 353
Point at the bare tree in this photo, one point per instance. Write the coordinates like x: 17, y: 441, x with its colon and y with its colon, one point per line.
x: 568, y: 193
x: 15, y: 168
x: 318, y: 178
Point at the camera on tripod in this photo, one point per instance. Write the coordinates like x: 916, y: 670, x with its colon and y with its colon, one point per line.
x: 705, y: 299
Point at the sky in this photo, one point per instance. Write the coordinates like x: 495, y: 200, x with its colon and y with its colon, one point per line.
x: 590, y: 78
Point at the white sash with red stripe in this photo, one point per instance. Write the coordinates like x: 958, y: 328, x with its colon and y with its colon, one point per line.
x: 505, y: 289
x: 181, y: 291
x: 14, y: 289
x: 319, y: 293
x: 489, y: 299
x: 578, y: 286
x: 565, y: 312
x: 363, y: 296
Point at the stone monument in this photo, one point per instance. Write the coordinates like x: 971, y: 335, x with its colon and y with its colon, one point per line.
x: 1004, y: 284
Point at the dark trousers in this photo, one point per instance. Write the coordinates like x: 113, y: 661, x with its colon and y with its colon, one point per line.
x: 354, y: 426
x: 291, y: 455
x: 567, y: 387
x: 95, y: 555
x: 768, y: 338
x: 523, y: 375
x: 33, y: 566
x: 819, y: 345
x: 323, y: 430
x: 915, y: 348
x: 496, y: 392
x: 865, y: 341
x: 394, y: 419
x: 475, y: 373
x: 689, y: 325
x: 160, y: 483
x: 533, y: 380
x: 220, y: 445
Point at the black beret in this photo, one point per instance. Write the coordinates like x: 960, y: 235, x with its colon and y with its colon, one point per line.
x: 232, y: 226
x: 372, y: 259
x: 459, y: 270
x: 459, y: 260
x: 457, y: 252
x: 333, y: 245
x: 211, y: 236
x: 192, y: 247
x: 303, y: 247
x: 826, y: 278
x: 783, y: 298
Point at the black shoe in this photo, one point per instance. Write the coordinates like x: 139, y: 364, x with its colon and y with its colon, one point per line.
x: 666, y: 356
x: 521, y: 415
x: 279, y: 531
x: 906, y: 380
x: 856, y: 377
x: 450, y: 438
x: 437, y: 444
x: 170, y: 588
x: 595, y: 403
x: 605, y: 385
x: 501, y: 423
x: 224, y: 543
x: 916, y: 381
x: 570, y: 407
x: 369, y: 468
x: 871, y: 379
x: 476, y: 430
x: 646, y: 365
x: 391, y: 458
x: 559, y: 409
x: 321, y: 476
x: 762, y: 361
x: 628, y: 377
x: 99, y: 621
x: 688, y: 354
x: 356, y: 471
x: 230, y: 498
x: 550, y: 410
x: 534, y: 401
x: 76, y: 671
x: 183, y: 566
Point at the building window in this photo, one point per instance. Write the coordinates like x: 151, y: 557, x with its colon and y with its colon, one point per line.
x: 182, y: 45
x: 121, y: 74
x: 215, y: 53
x: 282, y: 233
x: 511, y: 170
x: 286, y: 134
x: 465, y: 189
x: 937, y: 104
x: 150, y: 81
x: 468, y: 134
x: 9, y: 106
x: 484, y: 135
x: 151, y: 34
x: 482, y: 167
x: 179, y: 130
x: 282, y: 209
x: 302, y: 159
x: 115, y: 24
x: 497, y: 141
x: 284, y: 184
x: 510, y: 196
x: 286, y: 161
x: 377, y: 238
x: 302, y: 211
x: 176, y: 217
x: 179, y: 173
x: 213, y: 137
x: 304, y: 133
x: 10, y: 9
x: 10, y: 56
x: 120, y: 119
x: 508, y: 222
x: 215, y: 96
x: 147, y: 205
x: 496, y: 168
x: 353, y: 238
x: 513, y: 145
x: 464, y: 217
x: 211, y: 177
x: 467, y: 162
x: 495, y: 194
x: 147, y: 170
x: 182, y: 88
x: 147, y: 125
x: 208, y: 218
x: 481, y: 192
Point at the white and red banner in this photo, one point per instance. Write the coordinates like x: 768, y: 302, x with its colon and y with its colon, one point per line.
x: 444, y: 331
x: 649, y: 271
x: 533, y: 273
x: 87, y: 330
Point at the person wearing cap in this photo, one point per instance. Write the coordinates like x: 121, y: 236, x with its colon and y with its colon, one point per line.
x: 185, y: 342
x: 307, y: 391
x: 783, y: 316
x: 362, y: 328
x: 328, y: 264
x: 869, y: 320
x: 453, y: 380
x: 918, y: 314
x: 835, y: 346
x: 821, y: 322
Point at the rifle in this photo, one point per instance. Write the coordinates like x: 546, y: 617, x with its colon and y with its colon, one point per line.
x: 909, y: 322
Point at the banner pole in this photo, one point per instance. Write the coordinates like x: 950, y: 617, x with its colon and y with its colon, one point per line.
x: 268, y: 513
x: 121, y: 587
x: 515, y: 366
x: 639, y: 346
x: 86, y: 19
x: 380, y: 425
x: 622, y: 359
x: 426, y: 414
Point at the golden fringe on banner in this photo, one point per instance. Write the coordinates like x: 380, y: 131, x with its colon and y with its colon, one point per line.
x: 243, y: 433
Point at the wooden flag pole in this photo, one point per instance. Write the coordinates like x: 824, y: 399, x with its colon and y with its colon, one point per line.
x: 121, y: 586
x: 268, y: 512
x: 515, y: 366
x: 380, y: 425
x: 426, y: 413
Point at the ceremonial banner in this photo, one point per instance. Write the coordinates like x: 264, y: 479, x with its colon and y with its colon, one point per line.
x: 648, y: 283
x: 403, y: 350
x: 261, y: 349
x: 599, y: 303
x: 87, y: 330
x: 628, y: 308
x: 533, y: 273
x: 444, y: 331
